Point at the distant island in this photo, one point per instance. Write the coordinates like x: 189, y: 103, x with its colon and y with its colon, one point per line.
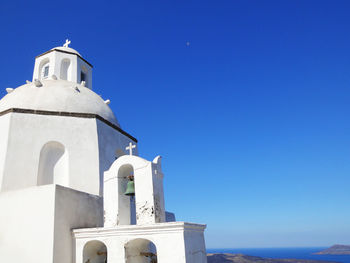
x: 335, y: 250
x: 239, y: 258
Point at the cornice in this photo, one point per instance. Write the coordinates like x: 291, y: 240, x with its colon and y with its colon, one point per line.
x: 69, y: 114
x: 67, y: 52
x: 126, y: 230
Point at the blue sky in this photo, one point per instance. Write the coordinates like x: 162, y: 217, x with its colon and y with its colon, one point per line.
x: 251, y: 117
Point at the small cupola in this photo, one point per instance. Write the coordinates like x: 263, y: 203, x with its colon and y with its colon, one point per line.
x: 65, y: 63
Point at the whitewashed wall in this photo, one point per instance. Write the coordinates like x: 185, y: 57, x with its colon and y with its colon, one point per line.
x: 73, y: 210
x: 28, y: 134
x: 4, y: 132
x: 36, y: 223
x: 55, y: 59
x: 91, y: 146
x: 111, y: 145
x: 170, y: 240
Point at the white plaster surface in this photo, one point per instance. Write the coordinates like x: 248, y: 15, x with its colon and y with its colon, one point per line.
x: 170, y: 240
x: 66, y: 49
x: 26, y: 225
x: 56, y: 60
x: 90, y: 147
x: 4, y: 133
x: 77, y: 135
x: 149, y: 196
x: 36, y: 223
x: 111, y: 145
x: 73, y: 209
x: 58, y: 96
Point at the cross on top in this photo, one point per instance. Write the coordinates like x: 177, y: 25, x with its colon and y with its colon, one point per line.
x: 67, y: 43
x: 130, y: 147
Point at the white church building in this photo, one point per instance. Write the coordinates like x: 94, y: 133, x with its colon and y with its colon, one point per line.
x: 72, y: 186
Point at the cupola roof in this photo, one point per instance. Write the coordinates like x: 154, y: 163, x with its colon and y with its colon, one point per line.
x: 58, y: 96
x: 67, y: 50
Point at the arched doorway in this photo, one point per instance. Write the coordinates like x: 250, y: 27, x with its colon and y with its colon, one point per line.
x: 95, y: 252
x: 140, y: 251
x: 53, y: 165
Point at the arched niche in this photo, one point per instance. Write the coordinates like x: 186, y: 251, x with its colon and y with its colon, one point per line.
x: 53, y: 164
x: 94, y: 252
x: 140, y: 251
x: 127, y: 203
x: 65, y: 73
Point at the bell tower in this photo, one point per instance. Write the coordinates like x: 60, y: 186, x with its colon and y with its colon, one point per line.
x: 63, y: 63
x: 152, y: 238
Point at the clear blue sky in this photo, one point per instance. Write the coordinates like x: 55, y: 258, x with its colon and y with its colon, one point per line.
x: 252, y: 118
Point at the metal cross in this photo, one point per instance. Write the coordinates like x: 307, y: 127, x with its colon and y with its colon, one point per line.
x: 130, y: 147
x: 67, y: 43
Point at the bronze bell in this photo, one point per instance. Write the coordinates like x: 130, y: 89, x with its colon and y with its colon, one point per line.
x: 130, y: 187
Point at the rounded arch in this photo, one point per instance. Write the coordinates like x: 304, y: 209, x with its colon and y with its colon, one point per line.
x: 140, y: 250
x: 125, y: 170
x: 135, y: 161
x: 53, y: 164
x: 65, y: 73
x: 94, y: 252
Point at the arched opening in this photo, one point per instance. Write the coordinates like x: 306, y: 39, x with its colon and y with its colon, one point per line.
x: 65, y: 69
x: 44, y: 69
x: 127, y: 203
x: 95, y: 252
x: 53, y: 165
x: 140, y: 251
x: 84, y: 76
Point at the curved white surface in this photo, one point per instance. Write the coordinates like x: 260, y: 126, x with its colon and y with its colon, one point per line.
x: 66, y: 49
x: 60, y: 96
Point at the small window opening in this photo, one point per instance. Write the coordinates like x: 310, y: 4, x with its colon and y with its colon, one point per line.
x: 82, y: 76
x: 46, y: 71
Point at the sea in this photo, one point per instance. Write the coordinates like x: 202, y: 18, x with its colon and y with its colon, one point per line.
x: 297, y: 253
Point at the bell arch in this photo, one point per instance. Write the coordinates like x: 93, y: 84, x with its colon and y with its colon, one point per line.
x: 127, y: 203
x: 65, y: 73
x: 149, y: 199
x: 95, y: 252
x: 53, y: 164
x: 140, y: 250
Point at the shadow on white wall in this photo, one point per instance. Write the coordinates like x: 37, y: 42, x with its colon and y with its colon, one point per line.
x: 53, y: 165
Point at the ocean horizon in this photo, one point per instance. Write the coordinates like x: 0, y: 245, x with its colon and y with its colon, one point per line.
x: 289, y: 252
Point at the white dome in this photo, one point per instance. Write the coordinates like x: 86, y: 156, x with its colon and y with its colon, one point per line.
x: 58, y: 96
x: 67, y: 49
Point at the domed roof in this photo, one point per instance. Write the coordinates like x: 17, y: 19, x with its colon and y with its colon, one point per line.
x: 67, y: 49
x: 58, y: 96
